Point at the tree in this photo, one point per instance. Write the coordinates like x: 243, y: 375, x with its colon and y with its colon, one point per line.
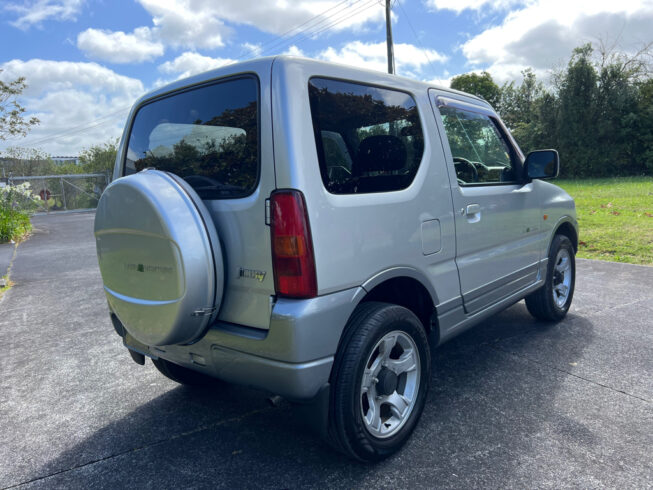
x: 12, y: 114
x: 597, y: 111
x: 518, y: 103
x: 529, y: 111
x: 643, y: 125
x: 578, y: 116
x: 99, y: 158
x: 481, y: 85
x: 19, y: 162
x: 624, y: 119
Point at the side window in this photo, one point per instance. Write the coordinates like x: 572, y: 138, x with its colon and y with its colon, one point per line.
x: 480, y: 153
x: 368, y: 139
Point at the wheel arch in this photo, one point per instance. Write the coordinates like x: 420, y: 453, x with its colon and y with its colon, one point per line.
x: 407, y: 287
x: 567, y: 228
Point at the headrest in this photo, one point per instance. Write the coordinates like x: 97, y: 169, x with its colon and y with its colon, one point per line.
x: 381, y: 152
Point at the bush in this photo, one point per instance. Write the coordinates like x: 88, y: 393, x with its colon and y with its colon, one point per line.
x: 16, y: 206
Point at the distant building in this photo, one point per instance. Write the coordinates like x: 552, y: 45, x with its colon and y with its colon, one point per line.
x: 62, y: 160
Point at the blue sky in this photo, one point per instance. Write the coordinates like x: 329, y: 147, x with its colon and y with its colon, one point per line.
x: 86, y: 61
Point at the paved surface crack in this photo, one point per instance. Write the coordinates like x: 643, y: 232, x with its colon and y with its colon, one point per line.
x: 493, y: 346
x: 145, y: 446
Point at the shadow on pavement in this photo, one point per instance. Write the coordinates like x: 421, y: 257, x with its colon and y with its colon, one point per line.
x: 488, y: 412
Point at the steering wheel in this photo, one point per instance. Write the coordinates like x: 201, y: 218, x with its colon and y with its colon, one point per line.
x: 469, y: 165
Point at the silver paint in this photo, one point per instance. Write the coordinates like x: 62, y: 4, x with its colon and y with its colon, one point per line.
x: 154, y: 241
x: 472, y: 263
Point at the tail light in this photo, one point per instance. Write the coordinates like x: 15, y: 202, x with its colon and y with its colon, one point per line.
x: 292, y: 246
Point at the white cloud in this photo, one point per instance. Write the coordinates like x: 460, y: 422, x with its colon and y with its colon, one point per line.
x: 460, y: 5
x: 409, y: 59
x: 186, y: 24
x: 118, y: 47
x: 254, y: 49
x: 442, y: 81
x: 46, y: 75
x: 278, y: 17
x: 34, y: 12
x: 79, y: 104
x: 294, y: 51
x: 191, y: 63
x: 539, y: 36
x: 202, y: 23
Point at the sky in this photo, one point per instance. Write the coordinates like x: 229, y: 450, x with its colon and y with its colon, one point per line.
x: 86, y: 61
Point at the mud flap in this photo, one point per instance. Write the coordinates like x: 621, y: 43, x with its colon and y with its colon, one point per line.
x: 137, y: 357
x: 314, y: 413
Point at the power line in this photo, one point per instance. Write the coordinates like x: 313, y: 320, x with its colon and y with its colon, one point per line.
x: 340, y: 15
x: 280, y: 38
x: 362, y: 8
x: 318, y: 28
x: 416, y: 37
x: 81, y: 128
x: 319, y: 15
x: 314, y: 33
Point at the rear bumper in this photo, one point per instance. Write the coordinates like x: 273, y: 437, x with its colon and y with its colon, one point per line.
x: 292, y: 359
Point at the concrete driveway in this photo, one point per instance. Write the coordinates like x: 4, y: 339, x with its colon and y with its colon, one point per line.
x: 513, y: 403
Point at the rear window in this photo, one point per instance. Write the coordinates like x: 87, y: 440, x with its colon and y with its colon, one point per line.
x: 368, y: 139
x: 209, y: 136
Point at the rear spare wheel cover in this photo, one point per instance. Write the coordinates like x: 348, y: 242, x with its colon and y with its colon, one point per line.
x: 160, y: 258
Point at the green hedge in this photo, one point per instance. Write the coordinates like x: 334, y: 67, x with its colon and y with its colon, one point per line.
x: 16, y: 206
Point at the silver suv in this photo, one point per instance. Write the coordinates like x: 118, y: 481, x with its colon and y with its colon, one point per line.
x: 311, y: 229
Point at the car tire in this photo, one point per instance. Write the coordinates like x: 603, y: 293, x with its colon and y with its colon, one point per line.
x: 379, y: 381
x: 551, y: 302
x: 180, y: 374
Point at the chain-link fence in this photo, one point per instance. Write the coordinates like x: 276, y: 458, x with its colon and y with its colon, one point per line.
x: 65, y: 192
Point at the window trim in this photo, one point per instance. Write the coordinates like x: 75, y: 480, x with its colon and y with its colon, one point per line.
x: 319, y: 146
x: 515, y: 155
x: 196, y: 86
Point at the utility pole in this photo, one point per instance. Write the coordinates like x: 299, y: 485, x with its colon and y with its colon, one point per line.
x: 388, y: 38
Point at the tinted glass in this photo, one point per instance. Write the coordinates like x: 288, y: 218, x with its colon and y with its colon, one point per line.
x: 208, y: 136
x: 480, y: 152
x: 542, y: 164
x: 368, y: 139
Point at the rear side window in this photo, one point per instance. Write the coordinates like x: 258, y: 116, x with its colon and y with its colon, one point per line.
x: 209, y: 136
x: 368, y: 139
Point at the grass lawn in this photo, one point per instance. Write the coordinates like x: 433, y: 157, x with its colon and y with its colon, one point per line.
x: 615, y: 217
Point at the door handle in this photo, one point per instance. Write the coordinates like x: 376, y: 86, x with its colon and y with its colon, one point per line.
x: 473, y: 213
x: 473, y: 209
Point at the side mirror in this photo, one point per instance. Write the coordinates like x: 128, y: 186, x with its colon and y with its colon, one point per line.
x: 542, y: 164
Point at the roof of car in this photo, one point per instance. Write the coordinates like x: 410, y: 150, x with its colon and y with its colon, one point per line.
x: 389, y: 78
x: 258, y: 64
